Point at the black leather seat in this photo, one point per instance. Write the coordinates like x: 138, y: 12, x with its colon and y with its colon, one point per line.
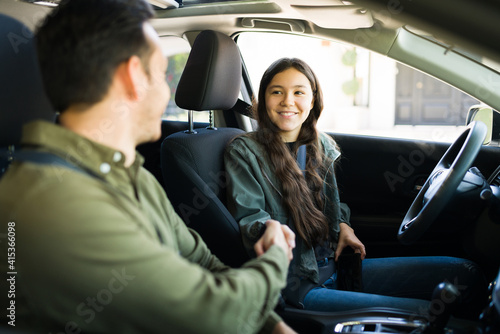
x: 192, y: 163
x: 22, y: 97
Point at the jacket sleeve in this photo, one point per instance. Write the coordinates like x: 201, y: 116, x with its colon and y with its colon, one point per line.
x: 245, y: 196
x: 345, y: 214
x: 198, y: 253
x: 87, y: 264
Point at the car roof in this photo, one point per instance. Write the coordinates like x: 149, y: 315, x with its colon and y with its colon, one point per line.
x: 460, y: 22
x: 382, y: 26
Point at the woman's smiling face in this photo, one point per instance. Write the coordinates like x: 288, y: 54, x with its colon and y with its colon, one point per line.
x: 289, y: 100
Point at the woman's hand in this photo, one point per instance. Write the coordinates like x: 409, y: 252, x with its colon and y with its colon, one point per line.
x: 348, y: 238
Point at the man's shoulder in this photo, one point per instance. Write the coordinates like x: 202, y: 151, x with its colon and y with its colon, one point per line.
x: 48, y: 197
x: 25, y: 180
x: 149, y: 183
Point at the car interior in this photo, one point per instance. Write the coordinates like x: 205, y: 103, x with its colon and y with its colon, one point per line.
x: 408, y: 197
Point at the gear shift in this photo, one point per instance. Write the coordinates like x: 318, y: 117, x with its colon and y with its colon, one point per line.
x: 444, y: 300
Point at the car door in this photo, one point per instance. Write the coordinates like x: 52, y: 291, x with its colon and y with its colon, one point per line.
x: 379, y: 179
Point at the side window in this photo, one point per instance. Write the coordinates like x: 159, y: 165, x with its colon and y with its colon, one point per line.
x: 364, y: 92
x: 177, y: 50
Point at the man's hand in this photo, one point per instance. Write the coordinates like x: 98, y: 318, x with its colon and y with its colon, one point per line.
x: 282, y: 328
x: 348, y: 238
x: 276, y: 234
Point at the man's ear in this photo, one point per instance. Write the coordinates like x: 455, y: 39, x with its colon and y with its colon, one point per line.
x: 131, y: 76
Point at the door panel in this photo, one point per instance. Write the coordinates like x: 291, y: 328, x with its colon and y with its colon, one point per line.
x: 379, y: 178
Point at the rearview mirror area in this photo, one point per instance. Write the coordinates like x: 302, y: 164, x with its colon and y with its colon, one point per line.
x: 491, y: 118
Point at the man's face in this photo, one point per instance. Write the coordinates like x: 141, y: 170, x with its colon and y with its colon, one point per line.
x: 155, y: 94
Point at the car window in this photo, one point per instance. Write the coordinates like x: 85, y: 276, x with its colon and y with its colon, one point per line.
x: 176, y: 50
x: 364, y: 92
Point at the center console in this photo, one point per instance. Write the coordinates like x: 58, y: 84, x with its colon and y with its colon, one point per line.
x: 437, y: 320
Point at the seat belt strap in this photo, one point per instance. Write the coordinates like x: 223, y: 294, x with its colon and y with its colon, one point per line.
x: 301, y: 158
x: 47, y: 158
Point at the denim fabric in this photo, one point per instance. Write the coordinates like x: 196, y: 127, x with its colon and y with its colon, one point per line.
x: 405, y: 283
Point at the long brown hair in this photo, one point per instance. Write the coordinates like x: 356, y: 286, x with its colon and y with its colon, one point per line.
x: 302, y: 197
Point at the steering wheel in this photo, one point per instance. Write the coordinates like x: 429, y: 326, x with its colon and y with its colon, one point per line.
x: 442, y: 183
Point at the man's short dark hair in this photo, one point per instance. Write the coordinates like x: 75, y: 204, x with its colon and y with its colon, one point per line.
x: 82, y: 42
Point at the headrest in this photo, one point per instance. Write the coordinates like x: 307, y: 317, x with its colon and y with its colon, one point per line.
x: 212, y: 77
x: 22, y: 97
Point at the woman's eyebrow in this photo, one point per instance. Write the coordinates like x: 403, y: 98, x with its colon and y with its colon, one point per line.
x: 279, y: 86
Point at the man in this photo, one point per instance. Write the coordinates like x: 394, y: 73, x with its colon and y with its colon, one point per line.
x: 99, y: 247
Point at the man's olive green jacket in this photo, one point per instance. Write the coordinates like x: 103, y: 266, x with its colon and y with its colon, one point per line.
x: 108, y: 254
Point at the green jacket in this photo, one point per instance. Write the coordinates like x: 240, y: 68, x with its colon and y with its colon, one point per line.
x: 108, y: 254
x: 254, y: 196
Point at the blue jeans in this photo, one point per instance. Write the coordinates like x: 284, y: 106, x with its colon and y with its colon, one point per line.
x: 405, y: 283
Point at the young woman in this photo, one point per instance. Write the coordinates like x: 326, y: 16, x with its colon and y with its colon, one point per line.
x: 267, y: 182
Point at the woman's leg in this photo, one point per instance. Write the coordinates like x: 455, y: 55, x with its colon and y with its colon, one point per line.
x: 416, y: 277
x: 331, y: 300
x: 406, y: 283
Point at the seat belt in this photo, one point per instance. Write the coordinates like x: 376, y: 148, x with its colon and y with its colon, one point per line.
x: 47, y: 158
x: 301, y: 158
x: 243, y: 108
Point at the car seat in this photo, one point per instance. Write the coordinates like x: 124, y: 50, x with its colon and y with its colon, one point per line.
x: 192, y: 163
x: 22, y: 98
